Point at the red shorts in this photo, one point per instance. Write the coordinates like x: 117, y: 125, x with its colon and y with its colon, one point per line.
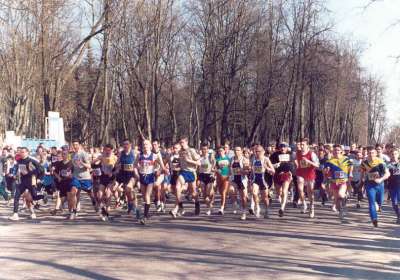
x: 337, y: 186
x: 282, y: 177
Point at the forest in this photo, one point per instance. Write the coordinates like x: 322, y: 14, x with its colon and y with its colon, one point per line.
x: 240, y: 70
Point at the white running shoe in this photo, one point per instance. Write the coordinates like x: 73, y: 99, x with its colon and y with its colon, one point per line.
x: 257, y: 211
x: 312, y: 214
x: 14, y: 217
x: 208, y: 213
x: 243, y: 217
x: 304, y: 210
x: 78, y: 207
x: 33, y: 216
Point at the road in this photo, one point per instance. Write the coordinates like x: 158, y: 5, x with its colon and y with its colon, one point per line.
x: 214, y: 247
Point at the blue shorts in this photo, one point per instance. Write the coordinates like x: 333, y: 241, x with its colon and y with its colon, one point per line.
x: 260, y: 181
x: 85, y: 185
x: 167, y: 179
x: 147, y: 179
x: 188, y: 176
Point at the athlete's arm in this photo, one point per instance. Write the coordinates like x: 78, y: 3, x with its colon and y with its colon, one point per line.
x: 314, y: 162
x: 384, y: 177
x: 269, y: 167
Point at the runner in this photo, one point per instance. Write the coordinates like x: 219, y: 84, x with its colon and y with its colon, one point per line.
x: 306, y: 163
x: 222, y: 163
x: 240, y: 168
x: 28, y: 170
x: 82, y: 179
x: 108, y: 184
x: 206, y: 176
x: 63, y: 178
x: 283, y: 176
x: 356, y: 181
x: 159, y: 192
x: 339, y: 170
x: 96, y: 174
x: 174, y: 167
x: 126, y: 176
x: 145, y: 169
x: 394, y: 182
x: 189, y: 161
x: 259, y: 166
x: 374, y: 173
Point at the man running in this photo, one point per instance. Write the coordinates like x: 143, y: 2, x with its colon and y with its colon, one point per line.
x: 339, y: 169
x: 259, y: 166
x: 63, y: 178
x: 189, y: 161
x: 145, y: 168
x: 107, y: 185
x: 374, y: 173
x: 394, y: 182
x: 240, y: 168
x: 284, y: 167
x: 82, y: 179
x: 306, y: 163
x: 126, y: 176
x: 28, y: 170
x: 206, y: 176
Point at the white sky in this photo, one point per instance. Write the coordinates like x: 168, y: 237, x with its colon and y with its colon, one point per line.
x: 373, y: 27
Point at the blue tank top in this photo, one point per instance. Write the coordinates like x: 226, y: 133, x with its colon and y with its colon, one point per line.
x: 146, y: 164
x: 126, y: 161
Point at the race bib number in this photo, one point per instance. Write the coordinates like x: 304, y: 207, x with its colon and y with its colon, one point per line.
x: 127, y: 167
x: 107, y: 169
x: 65, y: 173
x: 97, y: 172
x: 373, y: 175
x: 284, y: 158
x: 223, y: 163
x: 22, y: 168
x: 237, y: 171
x: 396, y: 172
x: 147, y: 167
x: 205, y: 166
x: 339, y: 175
x: 258, y: 169
x: 303, y: 164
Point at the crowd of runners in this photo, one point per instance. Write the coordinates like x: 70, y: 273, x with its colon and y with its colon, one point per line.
x: 246, y: 179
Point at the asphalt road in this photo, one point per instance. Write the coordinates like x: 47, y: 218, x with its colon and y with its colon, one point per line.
x: 292, y: 247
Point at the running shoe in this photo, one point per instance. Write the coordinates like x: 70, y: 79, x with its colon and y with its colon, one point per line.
x: 14, y: 217
x: 173, y: 214
x: 312, y: 214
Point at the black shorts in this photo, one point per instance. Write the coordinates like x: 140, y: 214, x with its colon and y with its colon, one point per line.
x: 206, y: 178
x: 174, y: 178
x: 106, y: 180
x: 261, y: 183
x: 64, y: 187
x: 125, y: 177
x: 268, y: 178
x: 239, y: 183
